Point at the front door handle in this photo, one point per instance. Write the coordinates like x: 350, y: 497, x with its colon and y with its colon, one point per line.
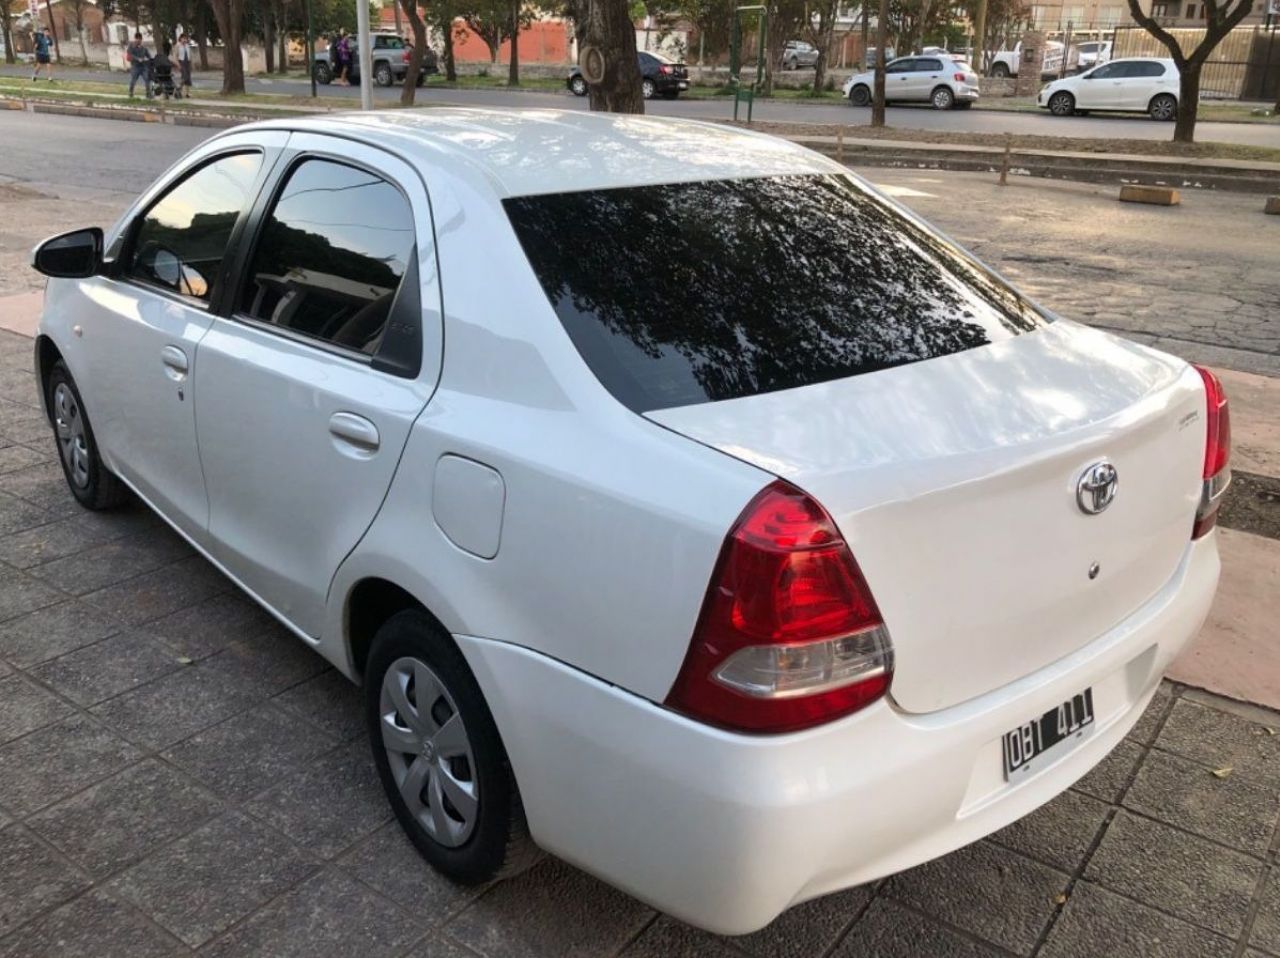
x: 175, y: 363
x: 355, y: 430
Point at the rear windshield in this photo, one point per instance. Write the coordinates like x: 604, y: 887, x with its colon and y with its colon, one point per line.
x: 688, y: 293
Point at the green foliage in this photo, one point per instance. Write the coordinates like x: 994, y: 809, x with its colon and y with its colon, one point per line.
x: 490, y: 20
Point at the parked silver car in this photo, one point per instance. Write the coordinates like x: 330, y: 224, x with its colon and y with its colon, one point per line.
x: 939, y: 80
x: 797, y: 54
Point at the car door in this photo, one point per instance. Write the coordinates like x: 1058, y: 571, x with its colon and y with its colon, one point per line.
x: 925, y: 74
x: 1099, y: 89
x: 897, y: 79
x: 1140, y: 84
x: 308, y: 386
x: 152, y: 308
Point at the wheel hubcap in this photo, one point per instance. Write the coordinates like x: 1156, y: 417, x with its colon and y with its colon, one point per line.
x: 429, y: 751
x: 73, y: 442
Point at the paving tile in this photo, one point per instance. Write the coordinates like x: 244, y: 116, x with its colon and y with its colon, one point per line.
x: 1059, y: 833
x: 1231, y: 810
x: 174, y: 707
x: 888, y: 930
x: 121, y: 820
x: 1099, y: 924
x: 93, y: 924
x: 33, y: 877
x: 389, y: 863
x: 4, y: 668
x: 810, y: 928
x: 1218, y: 738
x: 25, y: 707
x: 1266, y: 925
x: 154, y: 595
x: 17, y: 514
x: 330, y: 914
x: 268, y: 663
x: 19, y: 457
x: 210, y: 625
x: 331, y: 701
x: 552, y: 909
x: 201, y: 885
x: 20, y: 594
x: 1109, y: 778
x: 102, y: 565
x: 30, y: 431
x: 668, y: 938
x: 44, y: 485
x: 440, y: 945
x: 52, y: 631
x: 107, y: 668
x: 1175, y: 872
x: 353, y: 804
x: 52, y: 763
x: 1147, y: 727
x: 1001, y: 897
x: 55, y: 540
x: 249, y: 752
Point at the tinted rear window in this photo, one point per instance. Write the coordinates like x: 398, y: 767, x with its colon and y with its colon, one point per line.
x: 696, y: 292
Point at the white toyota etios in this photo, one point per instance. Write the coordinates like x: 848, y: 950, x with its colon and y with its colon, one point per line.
x: 683, y: 505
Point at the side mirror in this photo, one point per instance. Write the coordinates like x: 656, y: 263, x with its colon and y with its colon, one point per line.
x: 74, y: 255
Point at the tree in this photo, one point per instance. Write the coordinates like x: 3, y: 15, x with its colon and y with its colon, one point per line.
x: 513, y: 66
x: 492, y: 21
x: 6, y: 30
x: 77, y: 17
x: 786, y: 19
x: 1001, y: 20
x: 712, y: 18
x: 819, y: 28
x: 442, y: 15
x: 1219, y: 20
x: 229, y: 15
x: 607, y: 53
x: 882, y: 38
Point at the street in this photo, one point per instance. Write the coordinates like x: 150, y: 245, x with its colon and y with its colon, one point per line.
x: 1120, y: 126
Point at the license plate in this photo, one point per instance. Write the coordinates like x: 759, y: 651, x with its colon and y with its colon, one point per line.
x: 1060, y: 728
x: 684, y: 85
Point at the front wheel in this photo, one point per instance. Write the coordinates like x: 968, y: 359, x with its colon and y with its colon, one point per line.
x: 647, y: 89
x: 860, y: 95
x: 1062, y: 104
x: 90, y: 481
x: 942, y: 98
x: 439, y: 755
x: 382, y: 75
x: 578, y: 85
x: 1164, y: 107
x: 323, y: 74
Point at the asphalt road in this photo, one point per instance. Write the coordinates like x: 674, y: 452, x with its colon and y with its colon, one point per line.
x: 905, y: 117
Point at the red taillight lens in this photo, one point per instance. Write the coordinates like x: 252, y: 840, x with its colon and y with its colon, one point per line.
x: 405, y: 56
x: 1217, y: 452
x: 789, y: 635
x: 958, y: 77
x: 665, y: 69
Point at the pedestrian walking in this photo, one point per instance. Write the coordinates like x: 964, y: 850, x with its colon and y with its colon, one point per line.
x: 42, y: 56
x: 184, y: 63
x: 139, y: 65
x: 344, y: 58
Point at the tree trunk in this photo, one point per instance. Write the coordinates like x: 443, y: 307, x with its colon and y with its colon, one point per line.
x: 419, y: 51
x: 882, y: 37
x: 57, y: 50
x: 269, y: 43
x: 84, y: 50
x: 513, y: 68
x: 819, y: 71
x: 866, y: 36
x: 200, y: 32
x: 450, y: 67
x: 230, y: 17
x: 610, y: 33
x: 1184, y: 131
x: 8, y: 41
x: 282, y: 35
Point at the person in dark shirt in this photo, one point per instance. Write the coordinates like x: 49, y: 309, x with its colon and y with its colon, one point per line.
x: 139, y: 65
x: 162, y: 73
x: 42, y: 56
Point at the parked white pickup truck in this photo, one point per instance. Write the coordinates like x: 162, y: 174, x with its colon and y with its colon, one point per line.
x: 1006, y: 62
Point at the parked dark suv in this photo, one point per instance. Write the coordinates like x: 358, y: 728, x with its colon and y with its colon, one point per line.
x: 659, y: 76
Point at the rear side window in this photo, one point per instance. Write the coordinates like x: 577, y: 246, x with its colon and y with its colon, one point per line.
x: 696, y: 292
x: 180, y: 243
x: 331, y: 255
x: 1146, y: 69
x: 928, y: 65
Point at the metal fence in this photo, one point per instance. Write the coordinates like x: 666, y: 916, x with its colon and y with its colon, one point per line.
x: 1244, y: 66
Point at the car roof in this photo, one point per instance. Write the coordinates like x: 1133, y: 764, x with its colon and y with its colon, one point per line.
x: 528, y: 151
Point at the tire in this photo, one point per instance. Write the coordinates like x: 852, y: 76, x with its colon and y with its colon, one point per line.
x: 647, y: 89
x: 1062, y: 103
x: 382, y: 74
x: 860, y: 95
x: 323, y: 74
x: 421, y: 80
x: 472, y: 845
x: 1000, y: 70
x: 94, y: 485
x: 1163, y: 107
x: 792, y: 64
x: 578, y: 85
x: 942, y: 98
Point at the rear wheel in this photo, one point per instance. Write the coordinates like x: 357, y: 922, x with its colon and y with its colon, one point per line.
x: 860, y: 95
x: 1000, y: 70
x: 323, y: 74
x: 382, y: 74
x: 91, y: 482
x: 647, y: 89
x: 1062, y: 104
x: 439, y: 755
x: 1164, y: 107
x: 578, y: 85
x: 942, y: 98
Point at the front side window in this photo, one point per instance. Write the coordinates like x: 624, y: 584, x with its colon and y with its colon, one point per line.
x: 1110, y: 71
x: 686, y: 293
x: 900, y: 66
x: 180, y: 243
x: 331, y: 255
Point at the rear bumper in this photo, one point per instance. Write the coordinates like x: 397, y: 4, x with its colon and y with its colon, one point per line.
x: 726, y: 831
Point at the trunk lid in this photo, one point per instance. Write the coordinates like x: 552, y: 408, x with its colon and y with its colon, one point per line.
x: 955, y: 482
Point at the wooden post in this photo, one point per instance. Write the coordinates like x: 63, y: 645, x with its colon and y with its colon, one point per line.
x: 1004, y: 163
x: 839, y: 144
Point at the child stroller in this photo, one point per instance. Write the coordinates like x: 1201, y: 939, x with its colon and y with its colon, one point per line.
x: 162, y: 79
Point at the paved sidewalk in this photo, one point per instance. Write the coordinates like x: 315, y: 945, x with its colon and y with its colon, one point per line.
x: 177, y: 774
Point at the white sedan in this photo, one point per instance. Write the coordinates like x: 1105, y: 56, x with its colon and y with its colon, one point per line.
x: 685, y: 507
x: 1139, y: 84
x: 939, y: 79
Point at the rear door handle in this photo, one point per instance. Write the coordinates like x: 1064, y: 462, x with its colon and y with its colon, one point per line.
x: 355, y: 430
x: 175, y: 363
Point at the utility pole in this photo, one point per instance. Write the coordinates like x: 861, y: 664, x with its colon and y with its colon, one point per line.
x: 364, y: 53
x: 311, y: 47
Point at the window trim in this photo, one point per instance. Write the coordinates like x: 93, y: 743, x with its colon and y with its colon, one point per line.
x: 265, y: 205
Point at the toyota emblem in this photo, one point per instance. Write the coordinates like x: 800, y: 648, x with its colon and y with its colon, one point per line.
x: 1097, y: 487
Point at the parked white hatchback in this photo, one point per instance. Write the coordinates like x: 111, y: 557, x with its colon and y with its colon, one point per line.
x: 1138, y: 84
x: 940, y: 80
x: 673, y: 494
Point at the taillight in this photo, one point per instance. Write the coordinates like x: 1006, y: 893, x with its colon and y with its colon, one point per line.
x: 958, y: 77
x: 405, y: 55
x: 665, y: 69
x: 1217, y: 453
x: 789, y: 635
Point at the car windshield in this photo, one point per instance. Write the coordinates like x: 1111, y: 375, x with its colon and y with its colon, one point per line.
x: 688, y: 293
